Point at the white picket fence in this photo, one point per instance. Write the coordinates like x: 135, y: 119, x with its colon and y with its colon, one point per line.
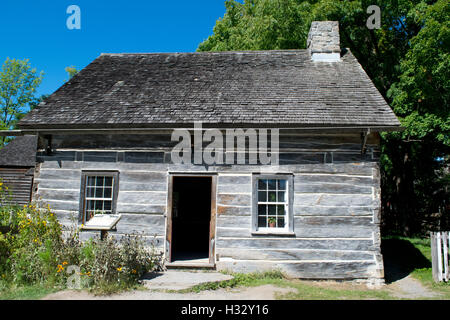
x: 440, y: 244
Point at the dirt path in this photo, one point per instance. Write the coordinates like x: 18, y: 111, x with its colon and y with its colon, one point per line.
x: 404, y: 288
x: 410, y: 288
x: 266, y: 292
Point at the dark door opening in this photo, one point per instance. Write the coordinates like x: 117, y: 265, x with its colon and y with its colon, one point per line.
x: 191, y: 217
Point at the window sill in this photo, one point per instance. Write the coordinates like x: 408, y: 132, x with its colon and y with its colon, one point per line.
x: 282, y: 233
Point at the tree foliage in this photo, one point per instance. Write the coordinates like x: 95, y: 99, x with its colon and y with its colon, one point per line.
x: 18, y: 83
x: 408, y: 61
x: 71, y: 71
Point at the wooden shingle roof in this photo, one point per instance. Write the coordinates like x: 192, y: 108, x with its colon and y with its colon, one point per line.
x: 20, y: 152
x: 253, y: 88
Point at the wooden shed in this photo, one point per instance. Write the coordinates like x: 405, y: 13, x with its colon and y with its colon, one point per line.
x: 17, y: 164
x: 111, y: 132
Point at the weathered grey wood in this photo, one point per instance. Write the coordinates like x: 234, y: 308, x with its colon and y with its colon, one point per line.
x: 122, y: 166
x: 148, y: 186
x: 62, y: 205
x: 143, y: 176
x: 296, y: 243
x: 145, y: 224
x: 234, y: 199
x: 445, y: 241
x: 334, y: 178
x: 58, y: 184
x: 144, y: 157
x: 234, y: 179
x: 440, y: 244
x: 234, y: 188
x: 301, y: 158
x: 434, y: 256
x: 141, y: 208
x: 360, y: 169
x: 337, y: 200
x: 123, y: 141
x: 149, y: 240
x: 96, y: 156
x: 56, y: 155
x: 61, y: 194
x: 338, y: 188
x: 304, y: 210
x: 304, y: 227
x: 335, y: 211
x: 140, y: 197
x: 292, y: 254
x: 307, y: 270
x: 60, y: 174
x: 234, y: 210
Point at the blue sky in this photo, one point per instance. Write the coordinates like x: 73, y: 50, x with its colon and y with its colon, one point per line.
x: 36, y: 29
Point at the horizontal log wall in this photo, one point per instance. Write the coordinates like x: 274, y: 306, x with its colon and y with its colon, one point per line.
x: 336, y: 199
x: 19, y: 181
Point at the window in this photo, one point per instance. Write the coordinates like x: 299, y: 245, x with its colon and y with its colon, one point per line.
x: 272, y: 206
x: 98, y: 194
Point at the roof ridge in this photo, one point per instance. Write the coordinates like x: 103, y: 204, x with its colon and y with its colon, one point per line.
x: 208, y: 52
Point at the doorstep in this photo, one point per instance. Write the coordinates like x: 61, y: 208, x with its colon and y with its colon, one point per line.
x: 186, y: 264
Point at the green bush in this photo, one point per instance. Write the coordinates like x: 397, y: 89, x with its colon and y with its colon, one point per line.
x: 36, y: 251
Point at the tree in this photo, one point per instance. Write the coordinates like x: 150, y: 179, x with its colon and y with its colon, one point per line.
x: 408, y: 61
x: 72, y: 71
x: 420, y: 98
x: 18, y: 83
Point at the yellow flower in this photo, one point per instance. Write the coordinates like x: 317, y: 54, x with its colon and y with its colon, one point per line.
x: 60, y: 268
x: 133, y: 271
x: 119, y: 269
x: 64, y: 263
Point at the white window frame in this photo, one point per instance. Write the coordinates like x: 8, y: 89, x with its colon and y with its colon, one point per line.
x: 288, y: 228
x: 84, y: 188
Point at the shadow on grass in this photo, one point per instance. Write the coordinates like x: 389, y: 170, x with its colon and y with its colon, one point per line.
x: 401, y: 258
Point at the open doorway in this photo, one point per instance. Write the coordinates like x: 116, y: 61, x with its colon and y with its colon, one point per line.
x: 191, y: 219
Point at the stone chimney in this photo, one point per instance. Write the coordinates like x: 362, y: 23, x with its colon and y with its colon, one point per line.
x: 323, y: 41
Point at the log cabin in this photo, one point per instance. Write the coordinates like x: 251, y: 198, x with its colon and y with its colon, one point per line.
x: 107, y: 139
x: 17, y: 165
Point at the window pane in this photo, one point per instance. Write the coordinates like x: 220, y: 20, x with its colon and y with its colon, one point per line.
x: 262, y: 222
x: 262, y: 184
x: 272, y: 184
x: 90, y: 181
x: 262, y: 196
x: 108, y: 181
x: 108, y: 193
x: 281, y: 184
x: 107, y: 205
x: 272, y: 196
x: 272, y: 210
x: 280, y: 222
x: 98, y: 206
x: 99, y: 181
x: 281, y: 196
x: 281, y: 211
x: 262, y: 210
x: 90, y: 205
x: 90, y: 192
x: 99, y: 192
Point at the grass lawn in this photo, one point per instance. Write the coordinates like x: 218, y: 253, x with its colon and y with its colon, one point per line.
x: 25, y: 292
x: 402, y: 257
x: 417, y: 261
